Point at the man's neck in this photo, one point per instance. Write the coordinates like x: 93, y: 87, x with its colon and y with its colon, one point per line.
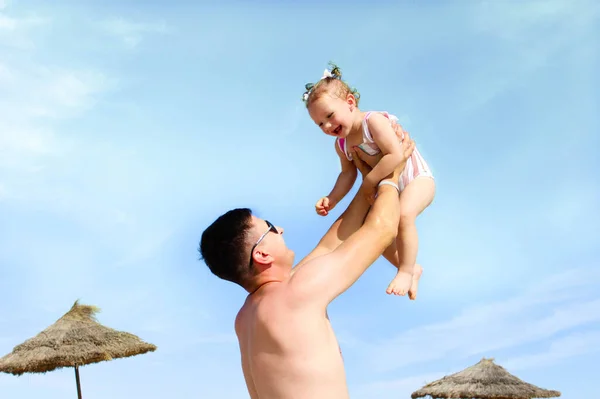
x: 261, y: 285
x: 273, y: 273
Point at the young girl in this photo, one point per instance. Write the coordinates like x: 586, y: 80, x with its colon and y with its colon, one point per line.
x: 333, y: 106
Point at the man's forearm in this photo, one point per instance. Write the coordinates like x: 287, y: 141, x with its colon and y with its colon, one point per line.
x: 385, y: 167
x: 386, y: 209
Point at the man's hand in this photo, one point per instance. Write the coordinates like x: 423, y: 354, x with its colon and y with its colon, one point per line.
x: 362, y: 166
x: 406, y: 143
x: 408, y: 146
x: 369, y: 190
x: 324, y: 205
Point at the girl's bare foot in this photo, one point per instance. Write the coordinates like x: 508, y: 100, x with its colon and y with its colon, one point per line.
x: 401, y: 284
x: 412, y: 292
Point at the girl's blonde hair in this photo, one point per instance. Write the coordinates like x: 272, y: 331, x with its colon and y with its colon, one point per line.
x: 331, y: 83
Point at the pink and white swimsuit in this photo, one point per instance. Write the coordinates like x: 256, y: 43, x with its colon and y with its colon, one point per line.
x: 415, y: 166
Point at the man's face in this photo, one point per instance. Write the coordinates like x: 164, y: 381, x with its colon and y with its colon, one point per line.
x: 269, y: 239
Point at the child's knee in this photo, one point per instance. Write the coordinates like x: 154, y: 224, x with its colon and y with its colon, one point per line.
x: 407, y: 218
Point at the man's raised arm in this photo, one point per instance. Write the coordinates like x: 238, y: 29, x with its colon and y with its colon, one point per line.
x: 322, y: 279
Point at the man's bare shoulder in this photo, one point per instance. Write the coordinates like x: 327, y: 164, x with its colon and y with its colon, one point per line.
x: 314, y: 260
x: 305, y: 276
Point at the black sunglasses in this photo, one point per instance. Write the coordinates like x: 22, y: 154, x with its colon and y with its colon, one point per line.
x: 271, y: 228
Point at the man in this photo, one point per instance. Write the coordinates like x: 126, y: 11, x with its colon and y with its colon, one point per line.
x: 288, y: 348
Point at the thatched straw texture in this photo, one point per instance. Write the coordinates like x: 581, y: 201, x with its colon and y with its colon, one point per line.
x: 484, y: 380
x: 76, y: 339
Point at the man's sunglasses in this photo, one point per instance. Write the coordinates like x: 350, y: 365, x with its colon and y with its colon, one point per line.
x: 271, y: 229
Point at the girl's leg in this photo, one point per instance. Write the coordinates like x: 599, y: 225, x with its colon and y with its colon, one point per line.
x: 417, y: 196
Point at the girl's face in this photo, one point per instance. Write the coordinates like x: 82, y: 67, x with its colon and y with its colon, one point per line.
x: 335, y: 116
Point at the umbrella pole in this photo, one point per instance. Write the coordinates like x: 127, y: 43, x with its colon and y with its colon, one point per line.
x: 77, y: 380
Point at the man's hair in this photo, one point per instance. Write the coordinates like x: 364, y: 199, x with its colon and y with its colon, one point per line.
x: 223, y: 246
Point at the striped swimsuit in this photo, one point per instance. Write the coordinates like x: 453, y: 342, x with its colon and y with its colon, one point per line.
x: 415, y: 166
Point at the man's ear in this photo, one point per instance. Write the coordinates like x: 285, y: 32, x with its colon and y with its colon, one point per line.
x: 262, y: 259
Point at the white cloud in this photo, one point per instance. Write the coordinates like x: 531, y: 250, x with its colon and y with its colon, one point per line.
x: 22, y: 148
x: 13, y: 30
x: 525, y: 37
x: 576, y: 344
x: 35, y: 97
x: 131, y: 33
x: 12, y: 34
x: 42, y: 164
x: 512, y: 21
x: 34, y: 100
x: 31, y: 91
x: 7, y: 23
x: 549, y: 307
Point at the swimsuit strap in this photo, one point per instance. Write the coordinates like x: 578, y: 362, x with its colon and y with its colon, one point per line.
x: 342, y: 144
x: 367, y: 135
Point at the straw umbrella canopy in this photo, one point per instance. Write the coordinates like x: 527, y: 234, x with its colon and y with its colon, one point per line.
x: 76, y: 339
x: 484, y: 380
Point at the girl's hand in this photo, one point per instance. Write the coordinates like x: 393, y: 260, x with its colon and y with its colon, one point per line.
x: 324, y: 205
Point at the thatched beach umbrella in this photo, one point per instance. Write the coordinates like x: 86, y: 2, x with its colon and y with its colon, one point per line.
x: 76, y: 339
x: 484, y: 380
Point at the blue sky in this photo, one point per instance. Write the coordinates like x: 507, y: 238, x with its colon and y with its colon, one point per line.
x: 125, y: 129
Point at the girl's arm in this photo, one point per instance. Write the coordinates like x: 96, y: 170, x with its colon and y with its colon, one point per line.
x: 345, y: 180
x: 386, y: 139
